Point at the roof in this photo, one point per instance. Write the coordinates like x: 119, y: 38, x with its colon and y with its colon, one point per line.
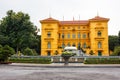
x: 84, y: 22
x: 75, y: 22
x: 98, y: 18
x: 49, y: 20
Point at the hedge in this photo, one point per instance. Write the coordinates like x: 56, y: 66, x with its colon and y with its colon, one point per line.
x: 31, y: 60
x: 102, y: 61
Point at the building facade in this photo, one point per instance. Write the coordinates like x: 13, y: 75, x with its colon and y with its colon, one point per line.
x: 89, y: 35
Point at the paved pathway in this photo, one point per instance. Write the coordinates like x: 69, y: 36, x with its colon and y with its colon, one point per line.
x: 36, y: 72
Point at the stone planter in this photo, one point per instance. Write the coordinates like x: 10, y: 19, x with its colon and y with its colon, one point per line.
x: 66, y: 59
x: 66, y: 56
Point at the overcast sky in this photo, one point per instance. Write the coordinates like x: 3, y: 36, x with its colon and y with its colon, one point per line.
x: 87, y: 9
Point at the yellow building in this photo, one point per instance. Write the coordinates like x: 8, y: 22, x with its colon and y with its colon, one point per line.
x: 89, y: 35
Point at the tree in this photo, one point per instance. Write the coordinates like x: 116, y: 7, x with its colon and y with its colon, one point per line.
x: 116, y: 51
x: 17, y: 30
x: 113, y: 41
x: 119, y: 37
x: 29, y: 52
x: 5, y: 53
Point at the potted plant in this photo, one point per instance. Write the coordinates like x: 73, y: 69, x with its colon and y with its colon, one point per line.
x: 66, y: 56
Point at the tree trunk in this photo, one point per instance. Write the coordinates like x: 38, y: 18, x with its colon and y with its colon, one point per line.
x: 17, y: 49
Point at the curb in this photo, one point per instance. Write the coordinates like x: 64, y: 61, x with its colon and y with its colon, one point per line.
x: 66, y: 66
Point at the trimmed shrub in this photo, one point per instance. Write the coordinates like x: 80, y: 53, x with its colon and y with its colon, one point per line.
x: 31, y: 60
x: 5, y: 53
x: 102, y: 61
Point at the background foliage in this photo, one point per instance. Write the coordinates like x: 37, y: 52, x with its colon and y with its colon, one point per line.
x: 17, y: 31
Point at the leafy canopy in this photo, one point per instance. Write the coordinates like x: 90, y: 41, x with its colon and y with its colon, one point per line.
x: 17, y: 30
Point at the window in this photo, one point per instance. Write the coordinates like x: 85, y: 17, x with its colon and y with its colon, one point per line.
x: 84, y: 45
x: 79, y: 46
x: 63, y: 36
x: 78, y: 35
x: 49, y: 45
x: 48, y: 53
x: 63, y: 45
x: 68, y: 36
x: 99, y: 33
x: 73, y: 35
x: 49, y: 34
x: 68, y: 44
x: 73, y: 29
x: 99, y: 45
x: 99, y: 53
x: 84, y: 35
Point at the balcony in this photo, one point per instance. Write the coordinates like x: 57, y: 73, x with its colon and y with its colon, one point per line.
x: 48, y: 28
x: 99, y: 38
x: 100, y: 49
x: 48, y: 38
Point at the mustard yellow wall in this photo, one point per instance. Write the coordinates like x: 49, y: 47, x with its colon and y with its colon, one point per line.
x: 94, y: 38
x: 83, y: 29
x: 53, y: 28
x: 91, y: 39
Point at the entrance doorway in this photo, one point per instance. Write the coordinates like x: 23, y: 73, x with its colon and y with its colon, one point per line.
x: 48, y: 53
x: 99, y: 53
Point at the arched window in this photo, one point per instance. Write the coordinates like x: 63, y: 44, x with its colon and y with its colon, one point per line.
x: 49, y: 45
x: 84, y: 45
x: 63, y: 36
x: 99, y: 45
x: 78, y: 35
x: 68, y: 35
x: 99, y: 33
x: 84, y: 35
x: 73, y: 35
x: 79, y: 46
x: 63, y: 45
x: 68, y: 44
